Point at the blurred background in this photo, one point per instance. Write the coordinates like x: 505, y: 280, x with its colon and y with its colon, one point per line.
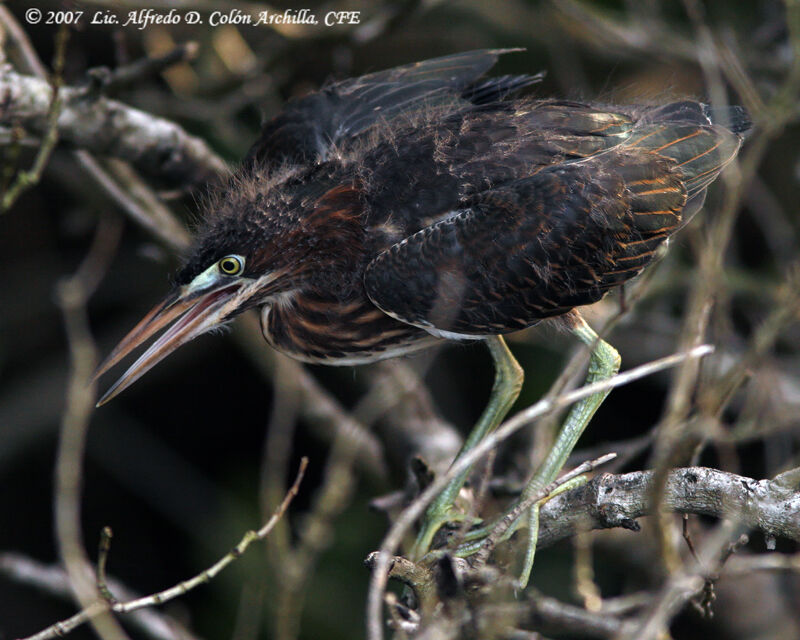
x: 202, y: 448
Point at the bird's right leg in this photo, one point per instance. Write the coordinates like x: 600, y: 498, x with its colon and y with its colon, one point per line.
x: 604, y: 363
x: 508, y: 377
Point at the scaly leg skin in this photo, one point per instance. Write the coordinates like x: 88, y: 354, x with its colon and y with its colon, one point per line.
x: 508, y: 378
x: 603, y: 364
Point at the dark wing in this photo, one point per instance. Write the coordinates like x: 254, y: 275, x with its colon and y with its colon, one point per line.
x: 310, y: 127
x: 426, y: 173
x: 539, y: 246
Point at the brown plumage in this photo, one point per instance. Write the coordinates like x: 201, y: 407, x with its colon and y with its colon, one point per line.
x: 387, y: 211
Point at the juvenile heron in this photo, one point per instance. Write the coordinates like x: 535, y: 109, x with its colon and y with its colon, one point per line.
x: 386, y: 213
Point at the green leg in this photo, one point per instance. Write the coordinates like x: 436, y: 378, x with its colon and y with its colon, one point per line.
x: 603, y: 364
x: 507, y: 384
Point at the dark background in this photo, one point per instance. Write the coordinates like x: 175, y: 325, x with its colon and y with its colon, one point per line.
x: 173, y: 465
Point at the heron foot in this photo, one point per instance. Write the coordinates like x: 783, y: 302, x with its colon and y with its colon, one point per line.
x: 505, y: 391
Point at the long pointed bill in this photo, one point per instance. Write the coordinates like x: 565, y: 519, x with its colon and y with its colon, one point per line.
x: 191, y: 314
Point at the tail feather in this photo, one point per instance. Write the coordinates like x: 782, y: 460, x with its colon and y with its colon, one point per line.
x: 699, y: 151
x: 656, y: 194
x: 693, y: 205
x: 734, y: 119
x: 686, y: 111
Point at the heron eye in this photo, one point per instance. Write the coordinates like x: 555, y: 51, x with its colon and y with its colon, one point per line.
x: 231, y: 265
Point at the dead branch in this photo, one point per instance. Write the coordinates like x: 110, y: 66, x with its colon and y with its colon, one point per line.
x: 103, y: 607
x: 53, y: 580
x: 91, y: 121
x: 618, y: 500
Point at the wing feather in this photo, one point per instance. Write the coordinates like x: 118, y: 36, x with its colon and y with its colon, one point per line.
x: 310, y: 128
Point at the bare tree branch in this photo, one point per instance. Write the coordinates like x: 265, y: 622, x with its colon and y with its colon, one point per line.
x: 54, y: 581
x: 108, y: 127
x: 103, y: 607
x: 72, y: 295
x: 617, y: 500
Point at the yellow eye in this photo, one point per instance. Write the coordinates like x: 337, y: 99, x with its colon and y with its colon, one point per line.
x: 231, y: 265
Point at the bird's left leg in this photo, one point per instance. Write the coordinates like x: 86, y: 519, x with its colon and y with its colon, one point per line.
x: 508, y: 379
x: 604, y: 363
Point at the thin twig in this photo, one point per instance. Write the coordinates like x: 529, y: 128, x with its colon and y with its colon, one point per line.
x: 682, y: 585
x: 30, y: 178
x: 745, y: 565
x: 108, y: 81
x: 336, y: 492
x: 72, y: 295
x: 205, y: 576
x: 100, y: 606
x: 22, y: 44
x: 513, y: 515
x: 53, y: 581
x: 102, y: 559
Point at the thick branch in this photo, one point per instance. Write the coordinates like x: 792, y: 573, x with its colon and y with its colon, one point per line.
x: 92, y: 122
x: 617, y: 500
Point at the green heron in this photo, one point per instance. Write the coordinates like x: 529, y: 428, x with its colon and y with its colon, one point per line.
x: 386, y: 213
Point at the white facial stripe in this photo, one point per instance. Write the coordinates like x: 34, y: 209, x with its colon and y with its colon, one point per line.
x: 209, y: 278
